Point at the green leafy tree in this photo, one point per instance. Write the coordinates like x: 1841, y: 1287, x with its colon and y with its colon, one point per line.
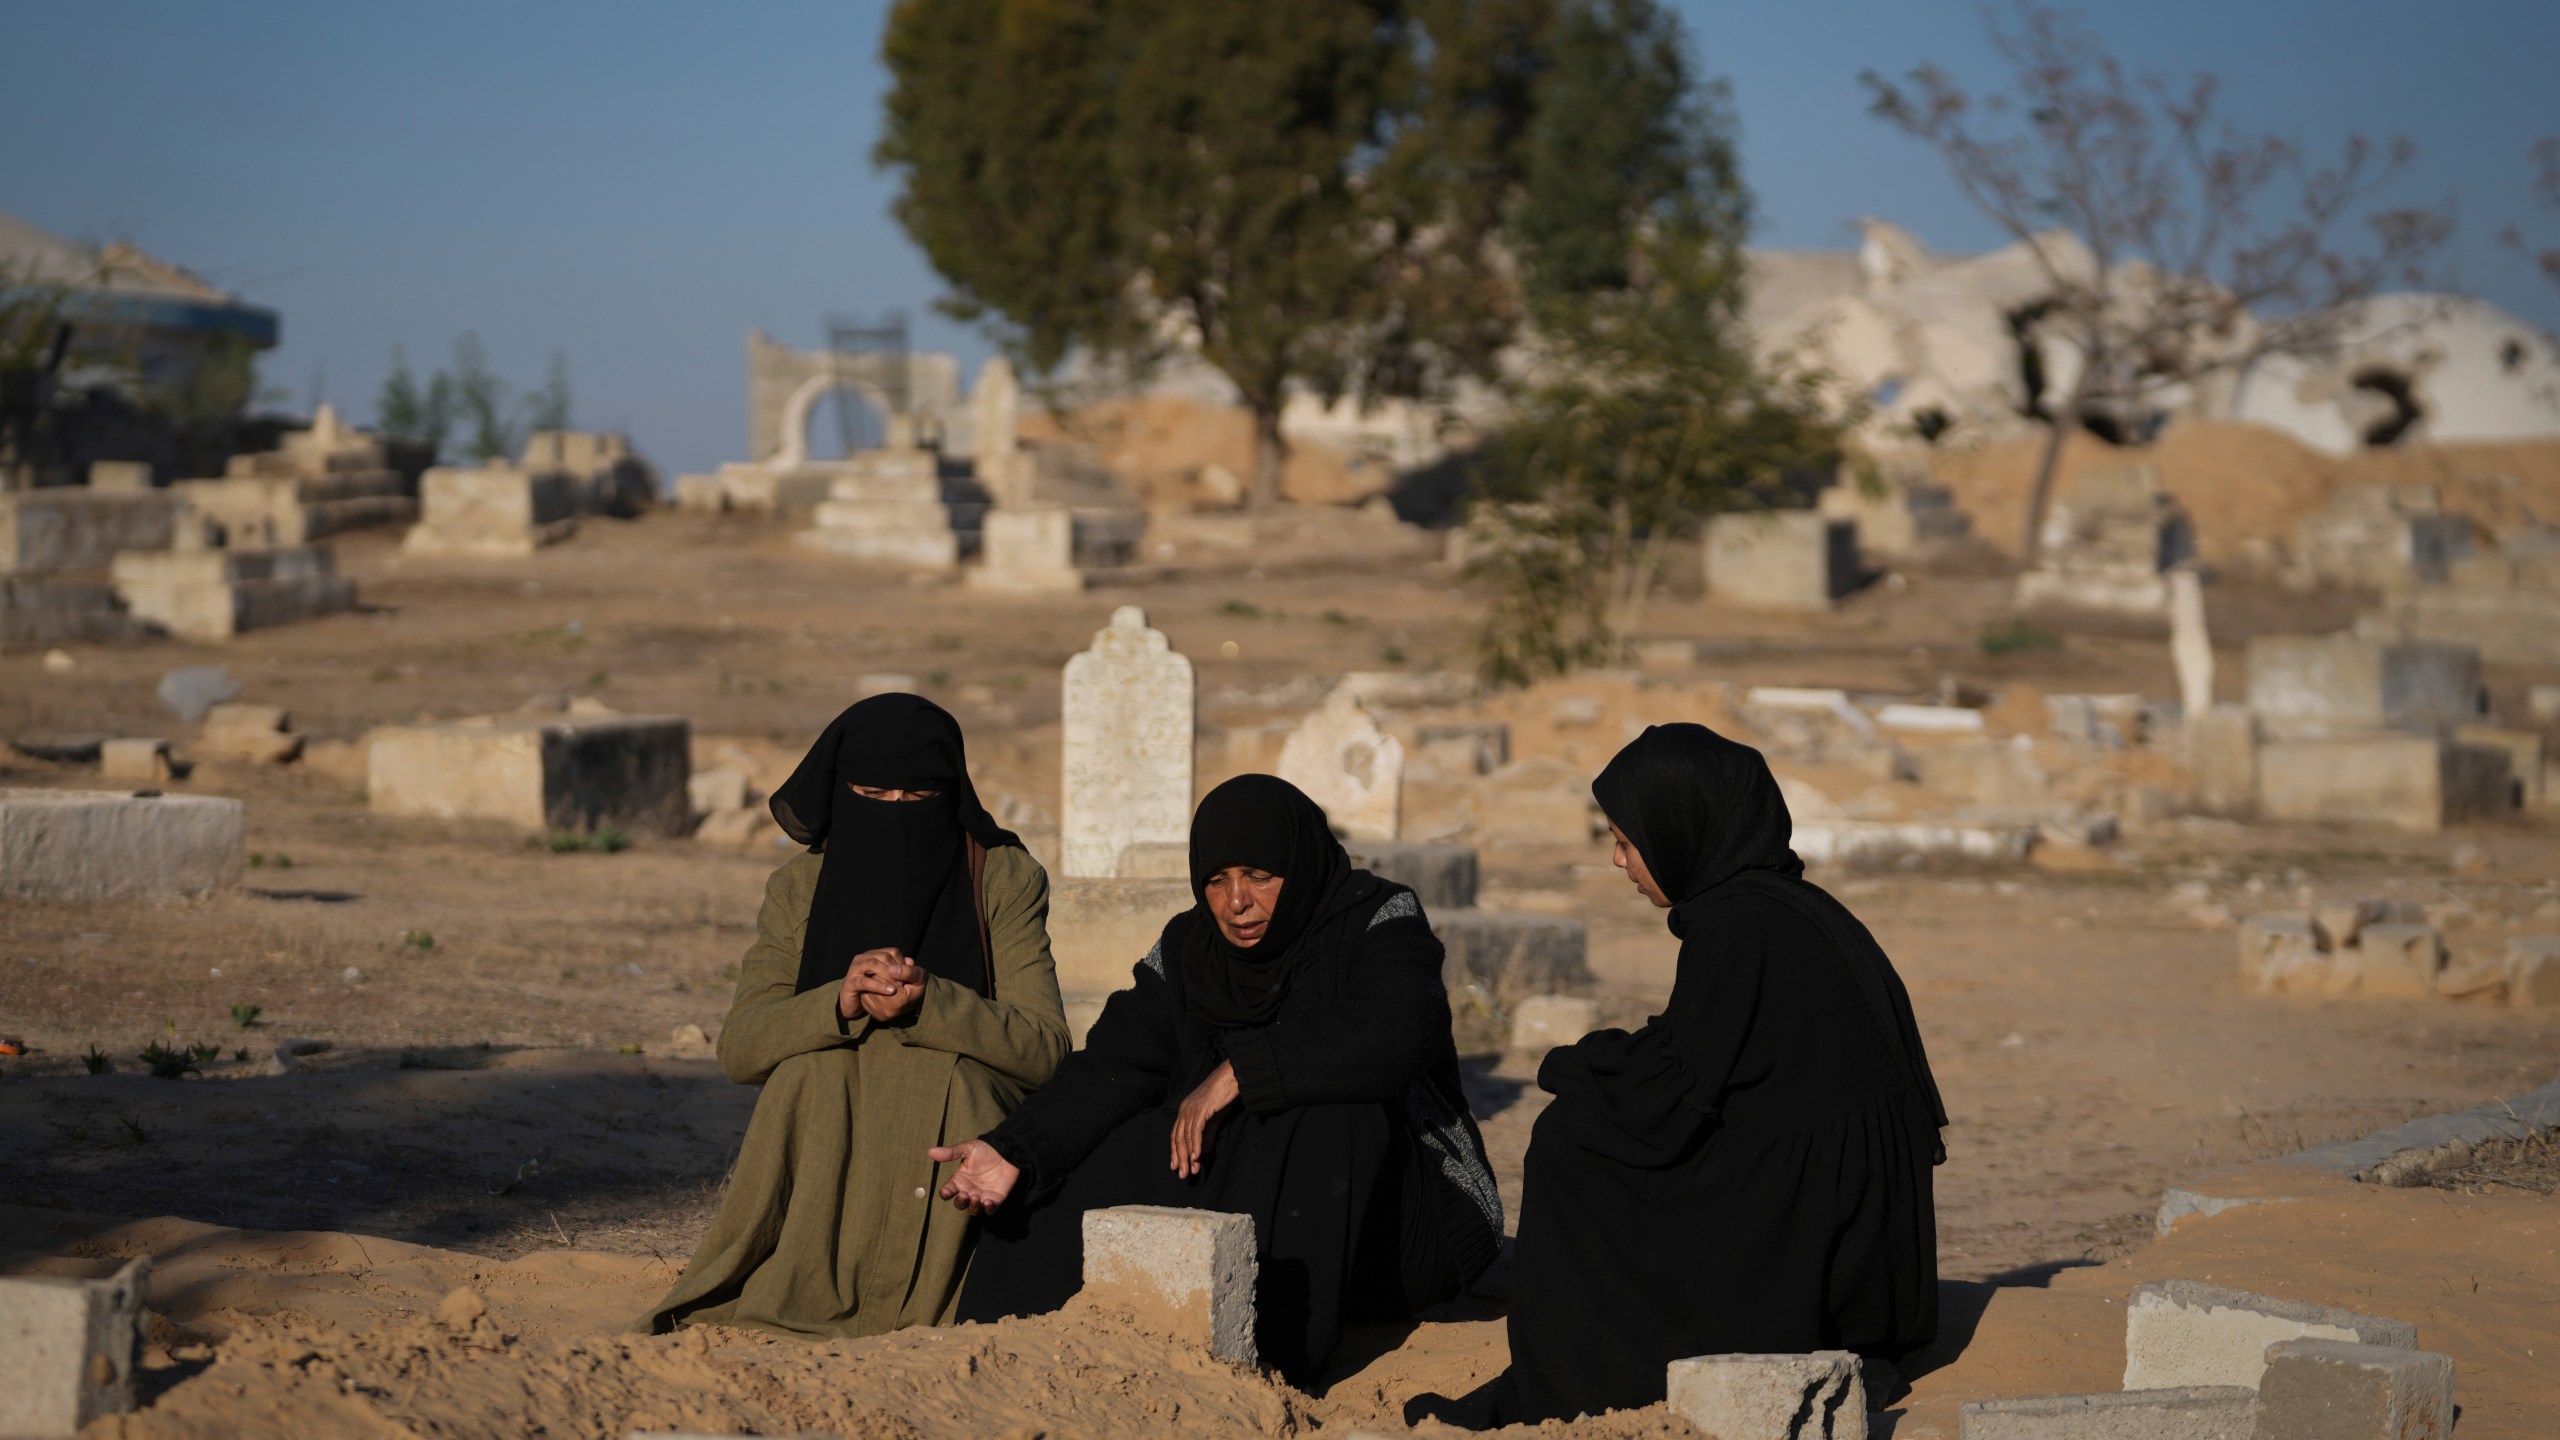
x: 1643, y: 409
x: 1305, y: 192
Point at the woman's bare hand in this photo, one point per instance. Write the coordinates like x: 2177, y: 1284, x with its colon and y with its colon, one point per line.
x: 1198, y: 1118
x: 983, y: 1180
x: 882, y: 984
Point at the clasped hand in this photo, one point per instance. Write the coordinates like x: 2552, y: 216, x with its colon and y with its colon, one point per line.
x: 882, y: 984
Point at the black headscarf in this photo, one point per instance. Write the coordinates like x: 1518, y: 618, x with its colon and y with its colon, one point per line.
x: 1265, y: 822
x: 1706, y: 815
x: 895, y: 872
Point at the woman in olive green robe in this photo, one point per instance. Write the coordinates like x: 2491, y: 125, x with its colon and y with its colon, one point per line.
x: 828, y: 1227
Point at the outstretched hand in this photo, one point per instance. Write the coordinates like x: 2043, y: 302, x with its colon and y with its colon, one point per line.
x: 1198, y: 1118
x: 984, y: 1178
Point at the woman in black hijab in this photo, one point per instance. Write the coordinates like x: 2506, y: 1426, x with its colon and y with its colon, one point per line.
x: 1748, y: 1173
x: 899, y: 995
x: 1283, y: 1052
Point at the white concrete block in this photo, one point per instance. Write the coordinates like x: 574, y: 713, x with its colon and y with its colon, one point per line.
x: 67, y: 1348
x: 134, y: 762
x: 2182, y: 1332
x: 1189, y: 1273
x: 111, y: 845
x: 1821, y: 1396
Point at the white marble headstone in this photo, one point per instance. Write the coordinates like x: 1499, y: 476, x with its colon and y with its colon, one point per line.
x: 1345, y: 763
x: 2190, y: 646
x: 1128, y: 709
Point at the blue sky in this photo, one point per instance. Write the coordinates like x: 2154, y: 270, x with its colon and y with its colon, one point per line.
x: 635, y: 184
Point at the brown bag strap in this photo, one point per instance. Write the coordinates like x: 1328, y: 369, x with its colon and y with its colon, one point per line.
x: 978, y: 907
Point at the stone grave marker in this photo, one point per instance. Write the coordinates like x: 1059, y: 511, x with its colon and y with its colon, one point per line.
x: 1128, y: 709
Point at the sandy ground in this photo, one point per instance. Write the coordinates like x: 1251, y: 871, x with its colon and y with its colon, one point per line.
x: 2088, y: 1029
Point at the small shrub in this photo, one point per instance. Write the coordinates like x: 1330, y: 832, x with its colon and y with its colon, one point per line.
x: 205, y: 1052
x: 1336, y: 617
x: 97, y: 1061
x: 609, y: 840
x: 937, y: 678
x: 1242, y: 609
x: 245, y: 1016
x: 2018, y: 637
x: 165, y: 1062
x: 598, y: 680
x: 626, y: 1049
x: 241, y: 1055
x: 1393, y: 654
x: 134, y: 1134
x: 418, y: 940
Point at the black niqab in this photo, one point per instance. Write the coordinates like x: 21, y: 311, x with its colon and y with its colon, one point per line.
x: 895, y: 873
x: 1264, y: 822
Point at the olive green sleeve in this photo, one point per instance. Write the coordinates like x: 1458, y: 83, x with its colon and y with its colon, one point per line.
x: 1020, y: 1031
x: 770, y: 1020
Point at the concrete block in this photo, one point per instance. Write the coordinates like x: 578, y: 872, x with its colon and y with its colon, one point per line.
x: 119, y: 477
x: 1027, y: 549
x: 495, y: 512
x: 216, y: 594
x: 2313, y: 685
x: 1099, y: 929
x: 256, y: 734
x: 1781, y: 559
x: 38, y: 612
x: 2325, y: 1389
x: 2524, y: 752
x: 1442, y: 877
x: 68, y: 1348
x: 2183, y: 1332
x: 538, y: 774
x: 1821, y: 1396
x: 2533, y: 972
x: 134, y: 762
x: 2281, y: 952
x: 2191, y: 1412
x: 2222, y: 754
x: 69, y: 529
x: 1511, y: 956
x: 2401, y: 958
x: 1543, y: 1022
x: 108, y: 845
x: 1189, y: 1274
x: 2406, y: 782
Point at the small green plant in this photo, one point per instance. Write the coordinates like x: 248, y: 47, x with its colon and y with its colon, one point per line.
x: 166, y: 1062
x: 256, y: 860
x: 134, y: 1134
x: 240, y: 1056
x: 205, y: 1052
x: 937, y: 678
x: 245, y: 1016
x: 1336, y: 617
x: 279, y: 861
x: 98, y: 1062
x: 2018, y: 637
x: 1242, y: 609
x: 598, y: 680
x: 607, y: 840
x: 1014, y: 681
x: 773, y: 687
x: 626, y: 1049
x: 1393, y: 654
x: 418, y: 940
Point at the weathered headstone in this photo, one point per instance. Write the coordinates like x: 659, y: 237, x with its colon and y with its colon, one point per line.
x: 995, y: 419
x: 1128, y: 707
x: 1027, y: 548
x: 2190, y: 644
x: 1346, y: 764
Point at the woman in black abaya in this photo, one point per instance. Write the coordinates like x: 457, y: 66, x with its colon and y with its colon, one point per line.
x: 1748, y: 1173
x: 1283, y: 1052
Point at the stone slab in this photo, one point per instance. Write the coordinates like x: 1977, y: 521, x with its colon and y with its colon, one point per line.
x: 70, y: 529
x: 1508, y: 957
x: 2406, y: 782
x: 134, y: 762
x: 2408, y: 1148
x: 38, y: 612
x: 2185, y: 1332
x: 1781, y: 559
x: 499, y: 513
x: 1027, y: 549
x: 1441, y: 876
x: 539, y: 775
x: 2198, y: 1412
x: 69, y: 1349
x: 1820, y: 1396
x: 1543, y: 1022
x: 1346, y: 764
x: 2306, y: 686
x: 1187, y: 1273
x: 110, y: 845
x: 2320, y: 1389
x: 1883, y: 842
x: 1100, y: 929
x: 1128, y: 713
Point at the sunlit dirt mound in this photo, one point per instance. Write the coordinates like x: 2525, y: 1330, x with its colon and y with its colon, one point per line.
x: 2249, y: 487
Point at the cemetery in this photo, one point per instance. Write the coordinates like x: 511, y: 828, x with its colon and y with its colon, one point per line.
x: 400, y: 812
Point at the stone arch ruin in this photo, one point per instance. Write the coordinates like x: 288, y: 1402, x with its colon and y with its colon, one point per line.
x: 916, y: 395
